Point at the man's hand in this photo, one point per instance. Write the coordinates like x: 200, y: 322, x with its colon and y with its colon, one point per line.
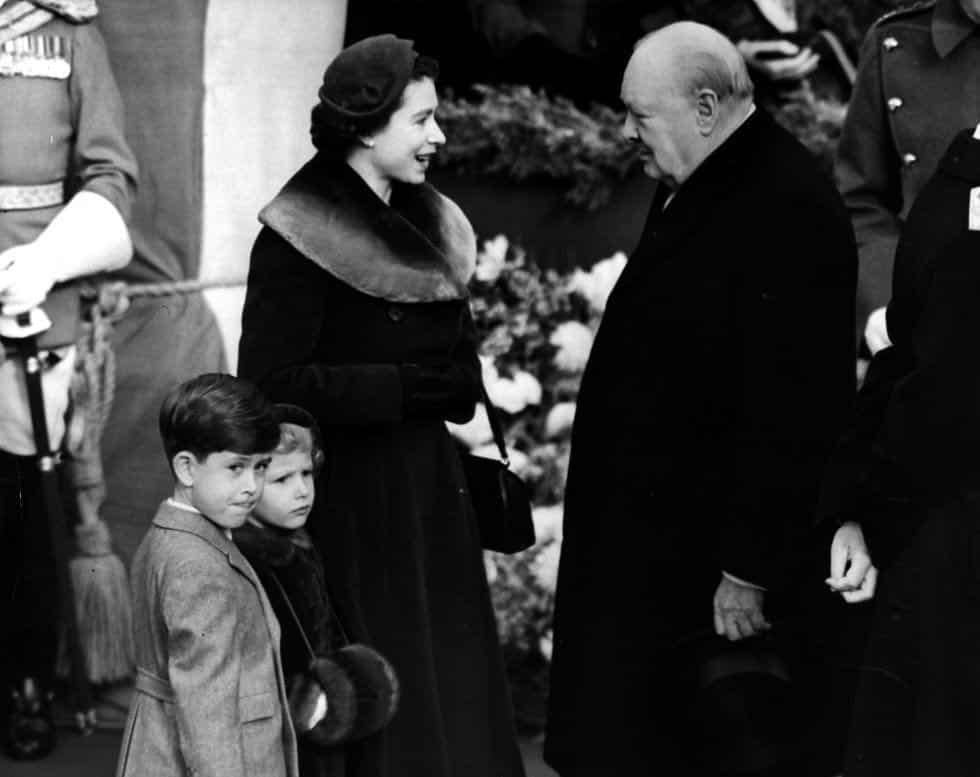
x: 778, y: 60
x: 876, y: 331
x: 852, y: 574
x: 25, y: 278
x: 738, y: 610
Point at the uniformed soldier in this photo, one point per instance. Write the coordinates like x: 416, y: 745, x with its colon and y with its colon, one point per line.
x: 918, y: 83
x: 67, y: 179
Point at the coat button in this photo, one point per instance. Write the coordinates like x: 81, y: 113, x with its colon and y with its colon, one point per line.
x: 894, y: 103
x: 889, y: 43
x: 909, y: 159
x: 395, y: 313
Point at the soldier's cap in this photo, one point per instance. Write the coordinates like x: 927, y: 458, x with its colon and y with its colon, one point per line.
x: 364, y: 81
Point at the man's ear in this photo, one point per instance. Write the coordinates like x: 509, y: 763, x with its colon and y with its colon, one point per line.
x: 707, y: 107
x: 185, y: 467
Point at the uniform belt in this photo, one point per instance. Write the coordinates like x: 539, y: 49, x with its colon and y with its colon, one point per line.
x: 43, y: 195
x: 154, y: 686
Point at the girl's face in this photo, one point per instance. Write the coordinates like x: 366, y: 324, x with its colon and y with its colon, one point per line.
x: 288, y: 494
x: 403, y: 148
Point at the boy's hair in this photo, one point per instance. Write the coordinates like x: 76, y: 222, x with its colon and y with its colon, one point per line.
x: 298, y: 430
x: 217, y: 412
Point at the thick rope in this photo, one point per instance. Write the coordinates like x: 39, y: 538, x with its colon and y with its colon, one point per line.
x: 167, y: 288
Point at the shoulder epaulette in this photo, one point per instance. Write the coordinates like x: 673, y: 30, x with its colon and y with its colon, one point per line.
x: 905, y: 10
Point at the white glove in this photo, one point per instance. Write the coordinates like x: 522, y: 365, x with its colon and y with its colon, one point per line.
x: 26, y: 277
x: 87, y: 236
x: 876, y: 331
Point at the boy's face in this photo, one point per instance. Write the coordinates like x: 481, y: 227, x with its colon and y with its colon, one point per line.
x: 287, y: 498
x: 225, y: 486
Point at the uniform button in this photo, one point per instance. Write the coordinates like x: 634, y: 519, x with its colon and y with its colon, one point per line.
x: 894, y: 103
x: 909, y: 159
x: 889, y: 43
x: 395, y: 313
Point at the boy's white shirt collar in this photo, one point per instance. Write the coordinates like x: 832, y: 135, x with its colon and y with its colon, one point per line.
x: 183, y: 506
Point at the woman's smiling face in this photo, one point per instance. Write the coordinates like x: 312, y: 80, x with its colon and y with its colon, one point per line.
x: 403, y: 148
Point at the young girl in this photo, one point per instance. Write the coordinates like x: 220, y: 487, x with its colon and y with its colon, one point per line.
x: 274, y: 541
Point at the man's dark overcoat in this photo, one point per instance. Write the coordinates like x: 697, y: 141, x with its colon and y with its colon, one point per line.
x: 358, y: 312
x: 720, y: 377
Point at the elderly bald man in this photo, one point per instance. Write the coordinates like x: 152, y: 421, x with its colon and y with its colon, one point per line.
x: 718, y: 383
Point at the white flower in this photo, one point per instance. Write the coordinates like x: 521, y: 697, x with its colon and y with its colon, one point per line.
x: 530, y: 385
x: 596, y: 284
x: 512, y: 395
x: 488, y: 369
x: 507, y: 395
x: 491, y: 568
x: 474, y: 432
x: 490, y: 261
x: 545, y: 566
x: 548, y: 522
x: 546, y: 644
x: 574, y: 342
x: 560, y: 419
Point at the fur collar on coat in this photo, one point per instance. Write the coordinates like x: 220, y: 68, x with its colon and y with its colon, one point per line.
x: 420, y: 248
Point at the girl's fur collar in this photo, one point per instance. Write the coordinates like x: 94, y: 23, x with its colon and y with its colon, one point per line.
x: 420, y: 248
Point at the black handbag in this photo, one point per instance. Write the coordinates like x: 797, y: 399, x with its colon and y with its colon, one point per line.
x: 344, y: 696
x: 500, y: 497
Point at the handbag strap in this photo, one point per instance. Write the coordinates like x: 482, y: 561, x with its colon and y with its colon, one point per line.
x: 331, y: 613
x: 295, y: 618
x: 496, y: 427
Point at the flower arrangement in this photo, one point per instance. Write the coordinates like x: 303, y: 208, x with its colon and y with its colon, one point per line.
x: 517, y: 133
x: 536, y: 328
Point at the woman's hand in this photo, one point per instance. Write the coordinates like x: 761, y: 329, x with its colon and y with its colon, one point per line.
x: 852, y: 574
x: 437, y: 391
x: 778, y: 60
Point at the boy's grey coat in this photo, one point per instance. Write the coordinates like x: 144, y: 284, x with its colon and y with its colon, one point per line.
x: 211, y: 699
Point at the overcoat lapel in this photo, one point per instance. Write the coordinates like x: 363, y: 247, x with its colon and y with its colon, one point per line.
x: 704, y: 191
x: 170, y: 517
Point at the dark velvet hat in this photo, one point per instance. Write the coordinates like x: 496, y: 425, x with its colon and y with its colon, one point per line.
x: 364, y: 81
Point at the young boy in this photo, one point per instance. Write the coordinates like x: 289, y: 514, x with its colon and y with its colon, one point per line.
x: 210, y: 695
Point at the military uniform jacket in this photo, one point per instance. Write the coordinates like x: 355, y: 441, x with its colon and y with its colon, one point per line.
x: 918, y: 84
x: 61, y: 120
x: 210, y: 696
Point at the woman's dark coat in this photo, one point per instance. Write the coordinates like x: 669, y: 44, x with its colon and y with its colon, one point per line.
x: 720, y: 377
x: 358, y: 312
x: 911, y: 476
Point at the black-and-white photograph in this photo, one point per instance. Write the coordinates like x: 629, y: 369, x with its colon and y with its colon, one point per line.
x: 489, y: 388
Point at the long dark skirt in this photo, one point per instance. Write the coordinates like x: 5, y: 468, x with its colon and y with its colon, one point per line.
x: 918, y: 706
x: 405, y: 572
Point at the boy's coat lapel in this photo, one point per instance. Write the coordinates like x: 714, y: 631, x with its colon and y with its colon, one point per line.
x: 176, y: 519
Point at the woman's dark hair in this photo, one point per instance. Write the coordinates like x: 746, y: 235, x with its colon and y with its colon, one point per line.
x: 216, y: 412
x: 337, y: 144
